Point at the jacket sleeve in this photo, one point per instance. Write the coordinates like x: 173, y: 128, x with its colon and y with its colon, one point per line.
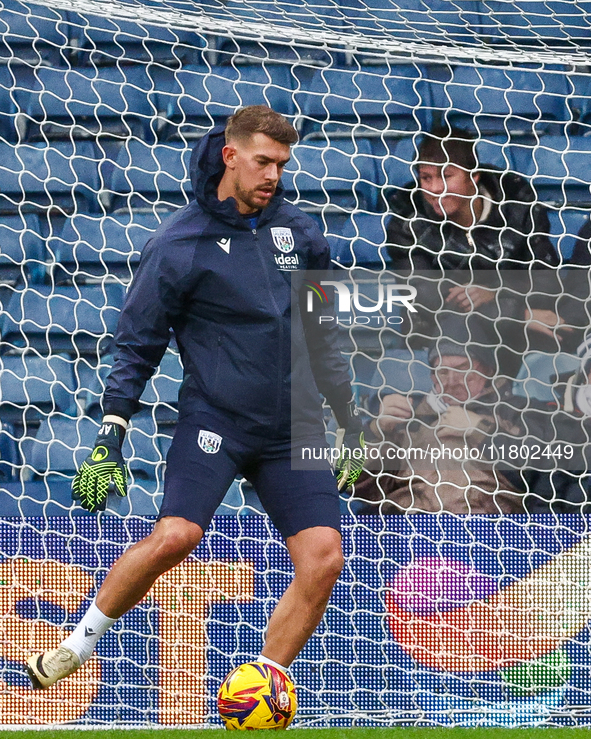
x: 329, y: 367
x: 407, y: 229
x: 143, y: 331
x: 542, y: 247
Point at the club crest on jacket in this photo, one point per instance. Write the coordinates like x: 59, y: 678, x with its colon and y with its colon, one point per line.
x: 283, y: 239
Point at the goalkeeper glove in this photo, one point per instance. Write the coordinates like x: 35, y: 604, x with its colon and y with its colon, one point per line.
x: 103, y: 471
x: 351, y: 446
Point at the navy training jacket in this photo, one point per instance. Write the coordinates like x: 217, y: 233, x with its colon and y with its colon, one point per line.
x: 226, y: 291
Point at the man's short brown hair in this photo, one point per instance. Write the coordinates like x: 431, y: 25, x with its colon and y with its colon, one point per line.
x: 260, y: 119
x: 448, y: 145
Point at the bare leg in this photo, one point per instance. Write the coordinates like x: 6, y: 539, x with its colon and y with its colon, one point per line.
x: 134, y: 573
x: 317, y: 557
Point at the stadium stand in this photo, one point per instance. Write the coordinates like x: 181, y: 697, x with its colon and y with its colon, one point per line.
x: 558, y: 169
x: 87, y: 103
x: 106, y: 41
x: 376, y: 101
x: 216, y: 93
x: 33, y: 387
x: 23, y: 254
x: 34, y: 37
x: 491, y: 102
x: 361, y: 241
x: 342, y: 175
x: 79, y: 320
x: 37, y: 177
x: 565, y: 225
x: 149, y: 178
x: 94, y: 249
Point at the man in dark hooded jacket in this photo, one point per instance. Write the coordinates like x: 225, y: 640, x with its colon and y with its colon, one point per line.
x: 465, y: 217
x: 225, y: 273
x: 483, y: 231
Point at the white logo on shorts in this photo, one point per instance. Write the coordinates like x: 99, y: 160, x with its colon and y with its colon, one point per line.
x: 209, y: 442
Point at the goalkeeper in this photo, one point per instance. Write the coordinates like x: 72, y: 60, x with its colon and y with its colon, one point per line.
x: 216, y: 273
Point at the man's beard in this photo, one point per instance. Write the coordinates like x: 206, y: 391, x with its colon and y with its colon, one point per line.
x: 247, y: 196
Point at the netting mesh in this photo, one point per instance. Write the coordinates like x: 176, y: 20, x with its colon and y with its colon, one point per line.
x: 475, y: 614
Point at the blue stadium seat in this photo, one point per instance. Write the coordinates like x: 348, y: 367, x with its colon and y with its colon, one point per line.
x: 33, y: 35
x: 555, y: 23
x: 565, y: 226
x: 581, y: 254
x: 537, y: 377
x: 100, y: 41
x: 199, y: 97
x: 363, y: 368
x: 341, y: 175
x: 241, y: 498
x: 91, y: 249
x: 364, y: 335
x: 22, y: 250
x: 558, y: 168
x: 85, y: 102
x: 324, y: 14
x: 431, y: 21
x: 60, y: 446
x: 79, y: 319
x: 579, y: 102
x: 10, y: 461
x: 368, y: 101
x: 8, y: 107
x: 398, y: 164
x: 400, y: 371
x: 32, y: 387
x: 36, y: 177
x: 92, y: 386
x: 504, y: 101
x: 151, y: 178
x: 361, y: 241
x: 493, y: 153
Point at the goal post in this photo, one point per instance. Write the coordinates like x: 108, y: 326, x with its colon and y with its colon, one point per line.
x: 439, y: 618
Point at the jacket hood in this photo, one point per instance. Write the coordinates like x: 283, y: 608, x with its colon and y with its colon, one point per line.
x: 206, y: 169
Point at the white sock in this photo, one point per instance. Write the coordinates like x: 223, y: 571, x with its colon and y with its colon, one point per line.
x: 83, y: 639
x: 267, y: 661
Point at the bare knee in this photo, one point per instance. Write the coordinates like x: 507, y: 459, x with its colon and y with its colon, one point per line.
x: 329, y: 566
x: 173, y: 539
x: 320, y: 562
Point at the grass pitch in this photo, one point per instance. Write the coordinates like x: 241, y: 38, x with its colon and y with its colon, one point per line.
x: 353, y: 733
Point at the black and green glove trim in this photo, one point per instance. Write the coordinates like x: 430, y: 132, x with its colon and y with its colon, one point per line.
x: 103, y: 472
x: 350, y: 442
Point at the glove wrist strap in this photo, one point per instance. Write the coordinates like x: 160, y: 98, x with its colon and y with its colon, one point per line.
x: 111, y: 434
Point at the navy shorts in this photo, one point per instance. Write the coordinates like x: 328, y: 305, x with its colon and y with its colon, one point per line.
x: 208, y: 451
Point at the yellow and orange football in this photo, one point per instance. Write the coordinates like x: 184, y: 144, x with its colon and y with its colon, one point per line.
x: 257, y: 696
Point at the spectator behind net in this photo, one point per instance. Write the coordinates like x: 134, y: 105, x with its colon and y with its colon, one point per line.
x: 469, y: 218
x: 465, y: 409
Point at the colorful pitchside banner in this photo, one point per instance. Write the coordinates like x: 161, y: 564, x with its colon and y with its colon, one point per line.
x: 436, y: 619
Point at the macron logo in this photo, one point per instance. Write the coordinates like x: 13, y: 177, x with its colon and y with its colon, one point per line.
x: 224, y: 244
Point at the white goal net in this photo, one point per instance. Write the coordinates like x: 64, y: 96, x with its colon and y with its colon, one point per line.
x: 465, y: 595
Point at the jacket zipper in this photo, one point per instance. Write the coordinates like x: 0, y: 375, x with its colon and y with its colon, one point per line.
x: 280, y: 350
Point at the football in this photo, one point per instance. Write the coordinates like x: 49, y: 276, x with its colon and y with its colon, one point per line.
x: 257, y: 696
